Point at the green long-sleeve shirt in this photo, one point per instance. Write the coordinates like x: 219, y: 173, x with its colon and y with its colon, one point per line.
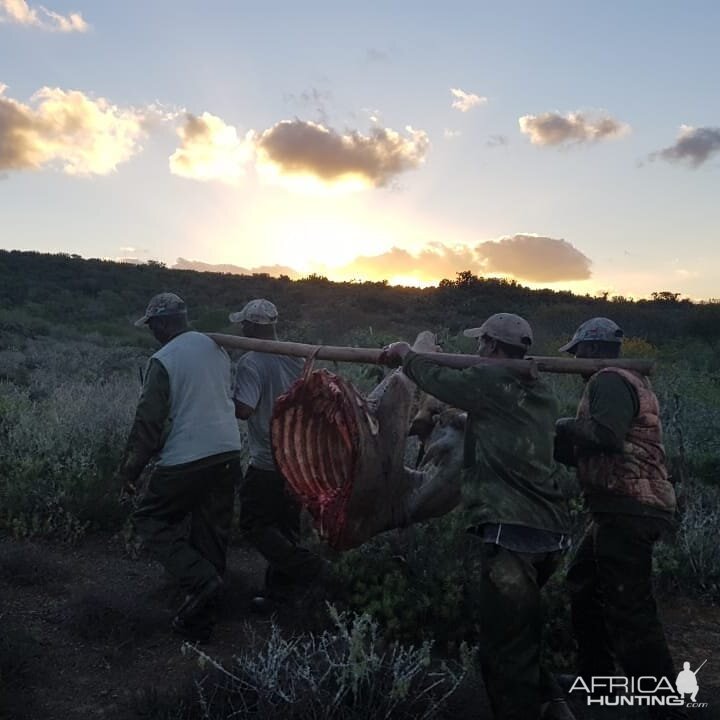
x: 150, y: 424
x: 509, y: 475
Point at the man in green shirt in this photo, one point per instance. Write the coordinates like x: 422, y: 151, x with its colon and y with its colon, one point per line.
x: 185, y: 419
x: 516, y: 513
x: 615, y: 441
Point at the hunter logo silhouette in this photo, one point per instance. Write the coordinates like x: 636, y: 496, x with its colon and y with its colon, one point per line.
x: 687, y: 683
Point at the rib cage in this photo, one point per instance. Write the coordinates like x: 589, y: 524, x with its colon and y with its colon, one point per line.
x: 316, y: 441
x: 343, y: 455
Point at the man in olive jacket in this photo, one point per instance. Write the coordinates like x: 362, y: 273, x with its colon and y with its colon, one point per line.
x: 516, y: 514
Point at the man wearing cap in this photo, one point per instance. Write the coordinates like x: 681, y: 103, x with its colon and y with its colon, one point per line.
x: 616, y: 443
x: 516, y: 514
x: 185, y: 417
x: 269, y: 515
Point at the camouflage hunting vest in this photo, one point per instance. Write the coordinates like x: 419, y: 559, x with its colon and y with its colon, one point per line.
x: 639, y: 471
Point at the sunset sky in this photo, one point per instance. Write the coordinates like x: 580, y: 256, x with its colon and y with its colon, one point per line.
x: 565, y: 144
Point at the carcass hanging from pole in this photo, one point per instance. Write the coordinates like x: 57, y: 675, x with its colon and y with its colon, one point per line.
x: 343, y: 455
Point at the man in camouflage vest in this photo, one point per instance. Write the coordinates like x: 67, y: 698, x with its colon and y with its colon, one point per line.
x: 615, y: 441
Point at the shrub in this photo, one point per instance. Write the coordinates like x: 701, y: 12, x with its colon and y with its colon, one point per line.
x: 344, y: 673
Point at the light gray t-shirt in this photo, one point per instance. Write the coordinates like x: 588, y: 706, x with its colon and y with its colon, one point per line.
x: 259, y: 379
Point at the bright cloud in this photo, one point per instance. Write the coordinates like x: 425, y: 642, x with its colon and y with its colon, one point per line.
x: 466, y: 101
x: 296, y: 150
x: 552, y: 128
x: 533, y: 258
x: 693, y: 145
x: 84, y: 136
x: 210, y: 150
x: 18, y: 11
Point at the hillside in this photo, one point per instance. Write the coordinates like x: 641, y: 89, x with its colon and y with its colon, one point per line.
x: 62, y: 294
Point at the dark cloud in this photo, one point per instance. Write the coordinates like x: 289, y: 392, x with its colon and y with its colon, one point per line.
x: 694, y: 146
x: 273, y: 270
x: 16, y: 137
x: 318, y: 100
x: 495, y: 141
x: 373, y: 55
x: 534, y: 258
x: 552, y: 128
x: 298, y: 147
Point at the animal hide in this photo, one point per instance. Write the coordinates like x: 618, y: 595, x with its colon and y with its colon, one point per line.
x: 343, y: 455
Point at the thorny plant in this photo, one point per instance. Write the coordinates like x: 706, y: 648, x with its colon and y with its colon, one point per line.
x: 344, y: 673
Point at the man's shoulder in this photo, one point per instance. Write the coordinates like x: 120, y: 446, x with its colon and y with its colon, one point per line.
x: 188, y: 342
x: 613, y: 379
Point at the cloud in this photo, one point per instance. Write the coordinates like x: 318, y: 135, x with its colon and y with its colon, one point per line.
x: 466, y: 101
x: 451, y: 134
x: 430, y: 264
x: 273, y: 270
x: 495, y: 141
x: 210, y: 150
x: 373, y: 55
x: 293, y: 152
x: 85, y: 136
x: 317, y: 99
x: 301, y: 148
x: 19, y: 12
x: 533, y: 258
x: 552, y: 128
x: 693, y: 145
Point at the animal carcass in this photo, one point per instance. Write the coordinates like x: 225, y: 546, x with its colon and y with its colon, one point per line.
x: 343, y: 455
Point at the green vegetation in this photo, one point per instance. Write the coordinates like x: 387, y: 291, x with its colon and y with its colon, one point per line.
x: 69, y: 380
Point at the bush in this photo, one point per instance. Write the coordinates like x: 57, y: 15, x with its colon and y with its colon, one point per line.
x: 344, y: 673
x: 60, y: 441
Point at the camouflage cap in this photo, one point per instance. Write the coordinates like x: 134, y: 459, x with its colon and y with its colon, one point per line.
x: 260, y: 312
x: 163, y: 305
x: 508, y: 328
x: 597, y: 329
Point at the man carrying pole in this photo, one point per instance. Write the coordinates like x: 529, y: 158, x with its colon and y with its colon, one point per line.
x: 516, y: 514
x: 616, y: 443
x: 185, y: 417
x: 269, y: 515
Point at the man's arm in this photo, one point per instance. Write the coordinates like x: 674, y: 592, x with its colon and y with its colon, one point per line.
x: 613, y: 406
x: 146, y: 434
x: 248, y: 389
x: 455, y: 387
x: 242, y: 411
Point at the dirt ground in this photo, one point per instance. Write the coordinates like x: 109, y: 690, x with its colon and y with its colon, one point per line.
x: 84, y: 633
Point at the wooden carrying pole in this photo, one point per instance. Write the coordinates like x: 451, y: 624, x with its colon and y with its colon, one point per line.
x: 531, y: 365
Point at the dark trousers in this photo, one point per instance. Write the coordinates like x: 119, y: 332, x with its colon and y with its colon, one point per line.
x: 206, y: 495
x: 511, y: 624
x: 613, y: 610
x: 270, y: 521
